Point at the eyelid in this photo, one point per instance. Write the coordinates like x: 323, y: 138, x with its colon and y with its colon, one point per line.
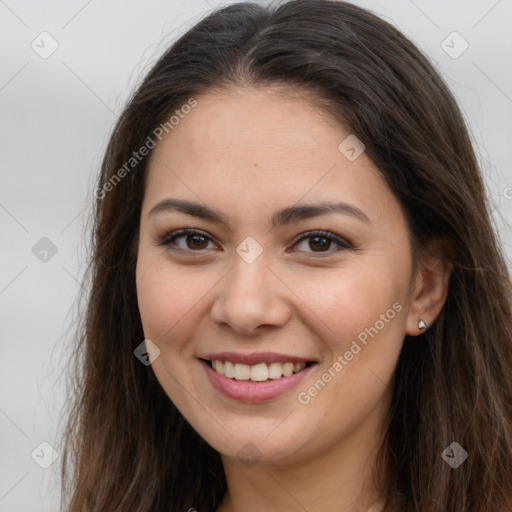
x: 171, y: 236
x: 325, y: 234
x: 342, y: 243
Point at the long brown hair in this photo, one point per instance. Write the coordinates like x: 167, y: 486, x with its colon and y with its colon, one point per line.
x: 127, y: 447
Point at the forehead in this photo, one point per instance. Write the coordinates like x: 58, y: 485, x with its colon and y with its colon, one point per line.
x: 250, y: 119
x: 254, y: 146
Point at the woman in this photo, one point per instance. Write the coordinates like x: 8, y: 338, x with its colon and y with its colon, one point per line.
x: 298, y: 301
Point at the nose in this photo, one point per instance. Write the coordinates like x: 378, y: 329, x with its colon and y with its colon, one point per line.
x: 250, y: 297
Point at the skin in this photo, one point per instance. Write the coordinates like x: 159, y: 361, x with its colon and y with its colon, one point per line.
x: 248, y: 152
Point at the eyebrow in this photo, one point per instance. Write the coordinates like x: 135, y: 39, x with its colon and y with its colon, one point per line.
x: 280, y: 218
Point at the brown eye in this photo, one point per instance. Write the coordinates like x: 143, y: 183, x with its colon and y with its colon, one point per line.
x: 321, y: 242
x: 196, y: 241
x: 187, y: 240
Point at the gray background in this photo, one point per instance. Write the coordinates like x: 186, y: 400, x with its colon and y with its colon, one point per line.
x: 56, y: 115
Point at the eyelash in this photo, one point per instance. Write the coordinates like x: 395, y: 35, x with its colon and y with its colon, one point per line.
x: 342, y: 244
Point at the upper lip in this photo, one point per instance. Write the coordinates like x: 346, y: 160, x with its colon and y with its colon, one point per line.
x: 255, y: 358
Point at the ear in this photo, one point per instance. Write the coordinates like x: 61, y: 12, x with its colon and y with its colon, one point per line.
x: 430, y: 285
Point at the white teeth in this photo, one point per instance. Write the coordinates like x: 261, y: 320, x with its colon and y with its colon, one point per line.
x: 258, y: 372
x: 275, y: 370
x: 287, y: 369
x: 229, y: 369
x: 242, y: 371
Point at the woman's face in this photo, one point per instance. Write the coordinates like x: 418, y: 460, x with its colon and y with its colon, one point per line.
x: 258, y: 289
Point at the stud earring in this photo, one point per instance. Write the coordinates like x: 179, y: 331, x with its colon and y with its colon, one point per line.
x: 422, y: 325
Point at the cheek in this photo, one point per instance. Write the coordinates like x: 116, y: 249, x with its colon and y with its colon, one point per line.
x: 166, y: 298
x: 362, y: 327
x: 168, y: 304
x: 348, y: 301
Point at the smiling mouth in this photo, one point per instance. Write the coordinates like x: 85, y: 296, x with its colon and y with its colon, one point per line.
x: 259, y: 372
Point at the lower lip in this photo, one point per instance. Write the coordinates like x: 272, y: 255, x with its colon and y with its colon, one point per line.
x: 254, y: 392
